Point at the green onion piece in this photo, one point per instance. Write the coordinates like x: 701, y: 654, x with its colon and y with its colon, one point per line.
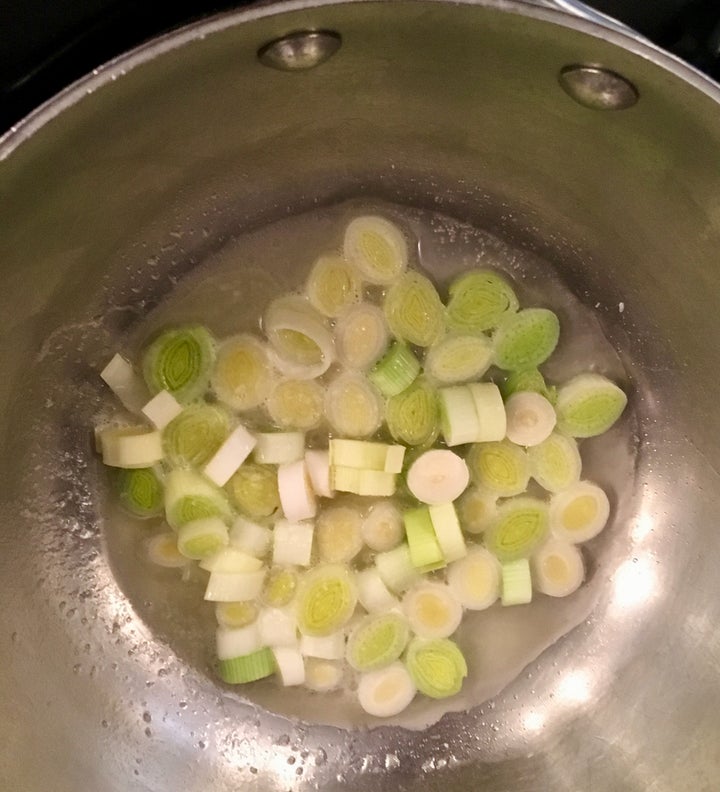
x: 413, y: 310
x: 377, y: 641
x: 254, y: 490
x: 202, y: 538
x: 140, y: 491
x: 555, y: 463
x: 437, y: 666
x: 395, y: 371
x: 296, y: 404
x: 190, y: 496
x: 528, y: 380
x: 195, y: 435
x: 326, y: 599
x: 500, y: 467
x: 479, y: 300
x: 280, y: 586
x: 422, y: 541
x: 413, y: 416
x: 243, y: 375
x: 589, y: 405
x: 458, y: 358
x: 516, y: 582
x: 248, y: 668
x: 526, y: 339
x: 332, y: 285
x: 180, y: 360
x: 521, y: 526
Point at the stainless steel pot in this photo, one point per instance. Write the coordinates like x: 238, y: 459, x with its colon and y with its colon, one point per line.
x: 112, y: 192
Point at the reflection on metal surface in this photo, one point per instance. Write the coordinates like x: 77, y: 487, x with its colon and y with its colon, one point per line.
x: 300, y: 51
x: 598, y: 88
x: 575, y: 687
x: 635, y: 584
x: 533, y: 721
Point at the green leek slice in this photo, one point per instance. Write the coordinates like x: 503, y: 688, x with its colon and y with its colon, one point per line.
x: 395, y: 371
x: 377, y: 641
x: 588, y: 405
x: 202, y: 538
x: 555, y: 463
x: 280, y: 587
x: 296, y: 404
x: 423, y: 544
x: 376, y: 247
x: 396, y: 568
x: 528, y: 380
x: 195, y: 435
x: 501, y: 467
x: 338, y: 534
x: 516, y: 582
x: 180, y: 361
x: 140, y: 491
x: 526, y: 339
x: 437, y: 666
x: 413, y: 310
x: 479, y: 300
x: 458, y: 358
x: 248, y: 668
x: 366, y: 455
x: 332, y: 285
x: 253, y: 489
x: 413, y: 416
x: 243, y: 374
x: 521, y: 526
x: 190, y: 496
x: 325, y: 599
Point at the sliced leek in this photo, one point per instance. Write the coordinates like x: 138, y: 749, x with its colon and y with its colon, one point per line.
x: 161, y: 409
x: 277, y: 627
x: 377, y: 248
x: 277, y: 448
x: 249, y: 668
x: 447, y: 531
x: 236, y: 614
x: 195, y: 435
x: 361, y: 336
x: 475, y: 579
x: 589, y: 405
x: 231, y: 560
x: 490, y: 411
x: 396, y: 568
x: 458, y: 358
x: 279, y: 587
x: 250, y: 537
x: 290, y: 665
x: 237, y: 642
x: 477, y: 509
x: 232, y: 453
x: 382, y: 529
x: 190, y: 496
x: 526, y: 339
x: 436, y: 666
x: 233, y: 586
x: 292, y: 543
x: 163, y: 551
x: 500, y: 467
x: 140, y: 491
x: 120, y: 376
x: 180, y: 360
x: 516, y: 582
x: 318, y: 468
x: 366, y: 455
x: 243, y: 374
x: 479, y: 300
x: 413, y: 310
x: 322, y: 676
x: 579, y: 512
x: 413, y: 416
x: 372, y: 483
x: 296, y: 494
x: 557, y: 568
x: 377, y: 641
x: 338, y: 534
x: 387, y: 691
x: 528, y: 380
x: 325, y: 600
x: 253, y: 489
x: 438, y: 476
x: 202, y: 538
x: 432, y: 610
x: 555, y: 463
x: 521, y: 526
x: 458, y: 416
x: 530, y: 418
x: 332, y: 285
x: 373, y: 594
x: 425, y: 550
x: 353, y: 406
x: 296, y: 404
x: 326, y: 647
x: 131, y: 447
x: 395, y: 371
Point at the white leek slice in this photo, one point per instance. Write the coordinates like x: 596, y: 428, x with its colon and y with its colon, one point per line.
x: 458, y: 358
x: 396, y: 568
x: 277, y: 627
x: 162, y: 550
x: 438, y: 476
x: 490, y: 411
x: 250, y: 537
x: 131, y: 447
x: 298, y: 333
x: 374, y: 483
x: 459, y: 420
x: 530, y: 418
x: 332, y: 285
x: 477, y: 509
x: 382, y: 529
x: 353, y: 407
x: 373, y: 594
x: 557, y: 568
x: 254, y: 489
x: 361, y: 336
x: 231, y: 454
x: 296, y: 495
x: 338, y: 534
x: 290, y: 665
x: 125, y: 383
x: 516, y: 582
x: 318, y: 468
x: 447, y: 531
x: 377, y: 248
x: 296, y: 404
x: 236, y: 614
x: 277, y: 448
x: 202, y: 538
x: 387, y: 691
x: 322, y: 676
x: 292, y: 543
x: 500, y: 467
x: 325, y: 599
x: 588, y: 405
x: 193, y: 437
x: 190, y: 496
x: 367, y: 455
x: 161, y: 409
x: 579, y: 513
x: 326, y: 647
x: 475, y: 579
x: 432, y: 610
x: 230, y: 559
x: 555, y: 463
x: 243, y: 374
x: 237, y: 642
x: 234, y: 586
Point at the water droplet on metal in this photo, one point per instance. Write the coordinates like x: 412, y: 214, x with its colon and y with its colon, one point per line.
x: 598, y: 88
x: 300, y: 51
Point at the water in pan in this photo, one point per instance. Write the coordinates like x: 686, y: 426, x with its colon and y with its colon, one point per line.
x: 227, y: 292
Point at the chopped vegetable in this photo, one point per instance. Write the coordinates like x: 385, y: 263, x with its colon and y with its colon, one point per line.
x: 424, y: 547
x: 290, y: 665
x: 555, y: 463
x: 120, y: 376
x: 479, y: 301
x: 249, y: 668
x: 530, y: 418
x: 447, y: 531
x: 436, y: 666
x: 280, y: 586
x: 253, y: 489
x: 277, y: 448
x: 387, y: 691
x: 589, y: 405
x: 528, y: 380
x: 432, y: 610
x: 292, y: 543
x: 475, y: 579
x: 396, y: 568
x: 438, y: 476
x: 376, y: 248
x: 579, y: 513
x: 161, y: 409
x: 202, y: 538
x: 365, y: 455
x: 250, y: 537
x: 382, y: 529
x: 353, y: 406
x: 296, y: 404
x: 516, y: 582
x: 162, y: 550
x: 243, y: 375
x: 196, y: 435
x: 361, y: 336
x: 236, y: 614
x: 131, y: 447
x: 231, y: 454
x: 522, y: 525
x: 526, y: 339
x: 413, y: 416
x: 413, y: 310
x: 233, y: 586
x: 296, y: 495
x: 395, y: 371
x: 373, y: 594
x: 332, y: 285
x: 338, y: 534
x: 230, y: 559
x: 322, y: 676
x: 140, y: 491
x: 557, y: 568
x: 326, y: 599
x: 472, y: 413
x: 500, y: 467
x: 277, y: 627
x: 180, y: 361
x: 374, y: 483
x: 318, y: 468
x: 477, y: 509
x: 190, y: 496
x: 237, y: 642
x: 459, y: 358
x: 377, y: 641
x: 326, y: 647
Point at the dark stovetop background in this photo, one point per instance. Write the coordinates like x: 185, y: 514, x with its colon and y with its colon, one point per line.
x: 45, y: 45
